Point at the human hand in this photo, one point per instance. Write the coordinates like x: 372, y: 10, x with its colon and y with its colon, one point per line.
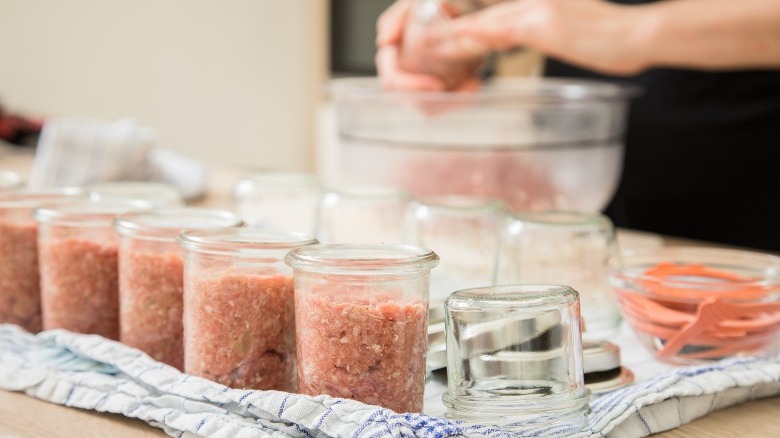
x: 593, y: 34
x: 427, y: 60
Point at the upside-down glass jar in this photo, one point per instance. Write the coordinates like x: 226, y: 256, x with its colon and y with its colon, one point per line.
x: 361, y: 313
x: 20, y: 291
x: 151, y: 275
x: 239, y: 316
x: 514, y: 357
x: 78, y: 250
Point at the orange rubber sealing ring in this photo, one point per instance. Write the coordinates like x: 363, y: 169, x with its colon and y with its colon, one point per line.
x: 718, y: 320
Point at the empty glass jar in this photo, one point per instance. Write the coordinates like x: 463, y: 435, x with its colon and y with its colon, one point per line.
x: 156, y: 193
x: 360, y: 214
x: 514, y: 357
x: 565, y: 247
x: 282, y: 200
x: 465, y: 232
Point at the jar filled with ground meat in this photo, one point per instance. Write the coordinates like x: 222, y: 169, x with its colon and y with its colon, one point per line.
x: 361, y: 314
x: 239, y: 316
x: 77, y: 249
x: 151, y: 277
x: 20, y: 292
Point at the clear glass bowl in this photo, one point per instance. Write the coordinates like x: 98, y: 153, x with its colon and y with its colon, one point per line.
x: 538, y: 144
x: 690, y: 305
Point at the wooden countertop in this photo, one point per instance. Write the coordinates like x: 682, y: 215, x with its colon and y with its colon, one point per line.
x: 24, y: 416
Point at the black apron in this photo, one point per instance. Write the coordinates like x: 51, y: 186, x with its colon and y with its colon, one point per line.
x: 702, y: 154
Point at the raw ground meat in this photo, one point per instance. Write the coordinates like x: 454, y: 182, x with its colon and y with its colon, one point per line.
x: 239, y: 330
x: 354, y: 344
x: 20, y: 292
x: 79, y: 286
x: 151, y: 300
x: 520, y: 184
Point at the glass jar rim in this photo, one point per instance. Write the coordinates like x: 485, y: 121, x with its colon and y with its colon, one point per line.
x: 466, y: 204
x: 564, y: 218
x: 356, y: 259
x: 158, y: 193
x: 507, y: 296
x: 86, y: 213
x: 167, y: 223
x: 626, y: 266
x: 242, y: 241
x: 273, y: 179
x: 32, y: 198
x: 502, y: 90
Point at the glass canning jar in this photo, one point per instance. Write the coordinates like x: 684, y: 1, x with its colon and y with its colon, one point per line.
x: 465, y: 232
x: 361, y: 313
x: 565, y: 247
x: 514, y: 357
x: 362, y: 214
x: 159, y: 194
x: 78, y: 251
x: 283, y: 200
x: 20, y: 291
x: 239, y: 317
x: 151, y: 277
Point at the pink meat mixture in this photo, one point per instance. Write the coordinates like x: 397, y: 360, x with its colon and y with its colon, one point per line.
x: 151, y: 301
x: 20, y: 293
x: 370, y: 351
x: 79, y: 286
x: 240, y: 330
x: 522, y: 185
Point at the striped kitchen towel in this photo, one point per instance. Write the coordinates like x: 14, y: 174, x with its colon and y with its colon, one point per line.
x: 79, y: 152
x: 90, y: 372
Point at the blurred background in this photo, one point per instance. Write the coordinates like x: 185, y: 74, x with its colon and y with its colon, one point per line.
x: 239, y: 82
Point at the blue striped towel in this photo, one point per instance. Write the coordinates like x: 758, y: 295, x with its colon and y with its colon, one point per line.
x: 90, y: 372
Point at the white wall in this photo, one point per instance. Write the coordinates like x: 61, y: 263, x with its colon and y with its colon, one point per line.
x: 232, y: 81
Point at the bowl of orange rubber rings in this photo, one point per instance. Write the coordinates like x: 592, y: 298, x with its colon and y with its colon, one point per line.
x: 692, y: 305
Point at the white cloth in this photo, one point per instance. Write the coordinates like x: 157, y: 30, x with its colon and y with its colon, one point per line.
x: 90, y: 372
x: 79, y: 152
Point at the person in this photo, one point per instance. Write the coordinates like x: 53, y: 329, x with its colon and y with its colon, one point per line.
x: 702, y: 156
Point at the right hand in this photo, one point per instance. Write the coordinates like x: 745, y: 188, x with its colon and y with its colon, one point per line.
x: 429, y: 72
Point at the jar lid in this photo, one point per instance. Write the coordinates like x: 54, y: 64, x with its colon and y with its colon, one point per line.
x: 362, y: 259
x: 167, y: 223
x: 242, y: 242
x: 602, y: 368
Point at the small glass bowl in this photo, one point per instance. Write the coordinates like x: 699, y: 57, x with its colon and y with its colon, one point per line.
x: 692, y: 305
